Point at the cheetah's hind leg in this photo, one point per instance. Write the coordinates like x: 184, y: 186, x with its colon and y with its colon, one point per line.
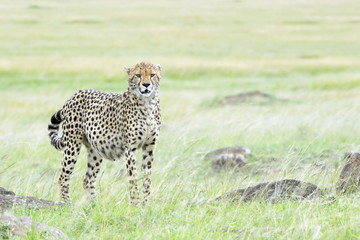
x: 71, y: 154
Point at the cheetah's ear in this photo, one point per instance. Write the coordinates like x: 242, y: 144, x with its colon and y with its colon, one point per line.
x: 158, y: 67
x: 127, y: 70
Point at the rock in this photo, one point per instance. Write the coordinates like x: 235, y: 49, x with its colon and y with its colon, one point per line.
x: 229, y: 161
x: 9, y: 199
x: 3, y: 191
x: 255, y: 96
x: 277, y: 191
x: 20, y: 226
x: 228, y: 158
x: 349, y: 178
x: 229, y: 150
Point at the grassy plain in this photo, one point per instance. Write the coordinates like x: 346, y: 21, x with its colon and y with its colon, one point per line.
x: 304, y: 53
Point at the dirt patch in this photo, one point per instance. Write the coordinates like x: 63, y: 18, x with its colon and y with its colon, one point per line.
x: 9, y: 199
x: 249, y: 97
x: 349, y: 179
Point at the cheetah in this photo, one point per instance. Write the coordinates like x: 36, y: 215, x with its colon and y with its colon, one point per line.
x: 110, y: 126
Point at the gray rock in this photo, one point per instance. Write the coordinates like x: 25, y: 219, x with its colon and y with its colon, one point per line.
x: 3, y: 191
x: 277, y: 191
x: 228, y: 158
x: 20, y: 226
x: 349, y: 178
x: 229, y: 161
x: 8, y: 199
x: 229, y: 150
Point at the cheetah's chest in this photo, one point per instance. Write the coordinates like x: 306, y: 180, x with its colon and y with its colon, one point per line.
x: 136, y: 128
x: 144, y: 130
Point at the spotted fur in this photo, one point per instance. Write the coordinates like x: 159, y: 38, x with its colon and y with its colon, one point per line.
x: 110, y: 126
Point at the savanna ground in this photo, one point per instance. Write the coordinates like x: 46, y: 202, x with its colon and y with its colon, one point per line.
x: 304, y: 53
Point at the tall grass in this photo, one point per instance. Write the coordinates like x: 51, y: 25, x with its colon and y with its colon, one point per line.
x: 304, y: 53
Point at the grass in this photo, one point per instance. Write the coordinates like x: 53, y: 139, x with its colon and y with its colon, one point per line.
x: 304, y: 53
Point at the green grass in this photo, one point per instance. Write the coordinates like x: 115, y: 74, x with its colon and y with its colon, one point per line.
x: 304, y: 53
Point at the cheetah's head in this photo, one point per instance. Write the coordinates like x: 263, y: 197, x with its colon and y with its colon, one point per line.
x: 144, y: 79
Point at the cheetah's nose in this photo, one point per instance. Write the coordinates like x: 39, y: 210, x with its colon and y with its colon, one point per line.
x: 146, y: 84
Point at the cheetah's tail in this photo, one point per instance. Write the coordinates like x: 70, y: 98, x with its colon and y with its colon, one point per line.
x: 53, y: 129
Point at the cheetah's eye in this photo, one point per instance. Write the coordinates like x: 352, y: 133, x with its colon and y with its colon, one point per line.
x: 152, y: 75
x: 138, y: 75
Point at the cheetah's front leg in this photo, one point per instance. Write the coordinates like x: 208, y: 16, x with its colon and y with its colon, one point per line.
x: 148, y: 158
x: 132, y: 174
x: 93, y: 168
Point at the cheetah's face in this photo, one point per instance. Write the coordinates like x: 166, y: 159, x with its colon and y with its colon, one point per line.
x: 144, y: 79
